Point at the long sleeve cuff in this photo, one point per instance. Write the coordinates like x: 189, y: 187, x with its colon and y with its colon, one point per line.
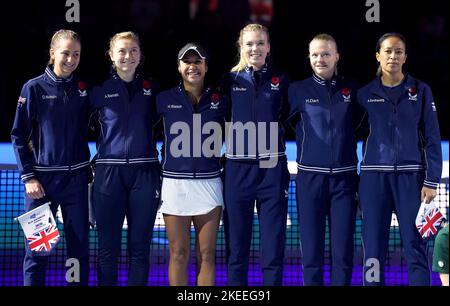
x: 26, y: 177
x: 429, y: 184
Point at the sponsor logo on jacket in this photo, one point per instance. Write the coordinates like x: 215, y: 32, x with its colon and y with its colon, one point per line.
x: 146, y: 88
x: 21, y: 101
x: 82, y: 89
x: 433, y: 106
x: 215, y: 99
x: 275, y: 84
x: 412, y: 93
x: 346, y: 94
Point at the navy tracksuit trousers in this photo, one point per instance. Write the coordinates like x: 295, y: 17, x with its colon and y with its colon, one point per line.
x: 320, y: 196
x: 244, y: 183
x: 131, y: 191
x: 380, y: 195
x: 70, y: 191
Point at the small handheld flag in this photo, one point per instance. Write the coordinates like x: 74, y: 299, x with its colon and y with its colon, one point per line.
x: 40, y: 229
x: 429, y: 219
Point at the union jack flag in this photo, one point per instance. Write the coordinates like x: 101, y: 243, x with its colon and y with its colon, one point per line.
x: 430, y: 222
x: 44, y: 240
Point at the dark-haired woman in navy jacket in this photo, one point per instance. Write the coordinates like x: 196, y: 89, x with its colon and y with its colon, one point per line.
x: 193, y: 118
x: 402, y: 161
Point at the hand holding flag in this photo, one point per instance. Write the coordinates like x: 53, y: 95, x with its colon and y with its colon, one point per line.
x: 429, y: 219
x: 40, y: 229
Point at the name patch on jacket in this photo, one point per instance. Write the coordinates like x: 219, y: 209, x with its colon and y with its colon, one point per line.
x: 49, y: 97
x: 109, y: 96
x: 174, y: 106
x: 375, y: 101
x: 239, y: 89
x: 311, y: 101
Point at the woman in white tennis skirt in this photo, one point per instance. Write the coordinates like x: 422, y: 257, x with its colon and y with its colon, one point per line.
x: 192, y: 192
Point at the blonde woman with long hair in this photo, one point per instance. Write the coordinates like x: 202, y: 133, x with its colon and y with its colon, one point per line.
x: 253, y: 173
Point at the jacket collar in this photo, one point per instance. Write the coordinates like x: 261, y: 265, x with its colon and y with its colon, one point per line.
x: 53, y: 78
x: 250, y: 70
x: 408, y: 82
x: 180, y: 90
x: 180, y: 87
x: 115, y: 76
x: 264, y: 73
x: 184, y: 98
x: 323, y: 82
x: 377, y: 87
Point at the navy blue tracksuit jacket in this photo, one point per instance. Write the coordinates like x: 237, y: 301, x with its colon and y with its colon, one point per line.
x: 401, y: 154
x: 258, y: 98
x: 126, y: 174
x: 125, y: 121
x: 327, y: 180
x: 49, y: 137
x: 200, y: 124
x: 52, y: 113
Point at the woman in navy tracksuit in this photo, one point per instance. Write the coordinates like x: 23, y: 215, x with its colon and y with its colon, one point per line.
x: 49, y: 137
x: 256, y: 165
x: 326, y: 156
x: 193, y: 117
x: 126, y: 166
x: 402, y: 161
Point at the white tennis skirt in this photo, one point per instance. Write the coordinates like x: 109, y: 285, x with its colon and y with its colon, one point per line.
x: 190, y: 197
